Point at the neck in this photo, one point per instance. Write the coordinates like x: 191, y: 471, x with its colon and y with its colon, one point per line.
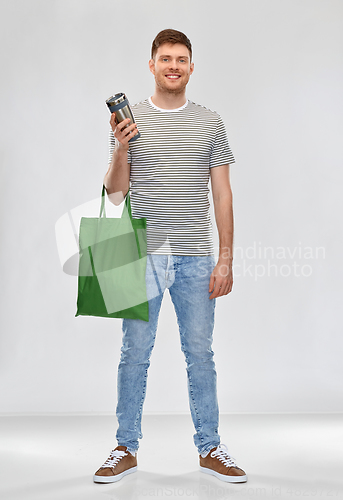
x: 168, y: 100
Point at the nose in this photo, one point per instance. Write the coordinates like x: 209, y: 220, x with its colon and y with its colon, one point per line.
x: 174, y: 64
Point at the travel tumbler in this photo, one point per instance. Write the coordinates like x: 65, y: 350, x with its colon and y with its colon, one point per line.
x: 120, y: 105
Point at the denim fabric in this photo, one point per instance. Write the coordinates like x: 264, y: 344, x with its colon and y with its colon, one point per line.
x: 187, y: 278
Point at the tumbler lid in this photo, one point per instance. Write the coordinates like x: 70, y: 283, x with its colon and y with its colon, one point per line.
x: 116, y: 99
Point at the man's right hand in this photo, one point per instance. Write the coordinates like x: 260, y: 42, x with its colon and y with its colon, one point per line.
x: 121, y: 132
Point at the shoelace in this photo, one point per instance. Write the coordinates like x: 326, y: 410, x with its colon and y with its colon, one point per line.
x: 222, y: 454
x: 114, y: 458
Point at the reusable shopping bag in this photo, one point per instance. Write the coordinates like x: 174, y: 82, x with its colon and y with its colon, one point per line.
x: 112, y: 265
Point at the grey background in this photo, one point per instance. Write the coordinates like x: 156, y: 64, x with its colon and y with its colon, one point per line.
x: 273, y: 70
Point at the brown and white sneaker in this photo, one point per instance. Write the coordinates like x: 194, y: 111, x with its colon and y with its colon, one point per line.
x: 119, y: 464
x: 219, y: 463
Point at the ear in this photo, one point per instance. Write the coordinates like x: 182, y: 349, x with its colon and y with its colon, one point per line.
x: 152, y: 66
x: 191, y: 68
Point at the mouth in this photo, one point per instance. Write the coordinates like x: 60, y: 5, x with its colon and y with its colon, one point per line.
x: 171, y: 76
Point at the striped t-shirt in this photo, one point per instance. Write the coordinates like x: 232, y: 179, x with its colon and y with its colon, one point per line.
x: 170, y: 171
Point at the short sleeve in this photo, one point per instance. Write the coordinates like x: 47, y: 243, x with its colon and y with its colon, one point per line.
x: 221, y: 153
x: 112, y: 145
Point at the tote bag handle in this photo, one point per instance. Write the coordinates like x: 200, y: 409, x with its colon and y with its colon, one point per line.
x: 128, y: 208
x: 127, y: 204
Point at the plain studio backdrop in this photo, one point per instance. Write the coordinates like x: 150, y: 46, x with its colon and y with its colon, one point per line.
x: 273, y: 70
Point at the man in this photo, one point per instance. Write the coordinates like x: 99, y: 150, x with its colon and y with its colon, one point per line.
x: 167, y: 170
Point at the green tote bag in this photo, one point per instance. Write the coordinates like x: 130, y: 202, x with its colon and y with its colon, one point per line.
x: 112, y: 265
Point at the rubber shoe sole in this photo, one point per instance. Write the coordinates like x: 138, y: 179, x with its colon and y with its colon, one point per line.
x: 222, y: 477
x: 113, y: 479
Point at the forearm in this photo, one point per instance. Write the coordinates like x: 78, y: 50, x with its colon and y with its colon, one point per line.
x: 117, y: 178
x: 225, y: 224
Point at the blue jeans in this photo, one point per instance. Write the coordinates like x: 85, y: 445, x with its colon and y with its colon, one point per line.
x: 187, y: 278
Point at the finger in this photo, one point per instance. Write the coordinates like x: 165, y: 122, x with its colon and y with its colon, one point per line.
x: 131, y: 128
x: 214, y: 295
x: 222, y: 288
x: 113, y: 122
x: 123, y: 124
x: 128, y: 130
x: 228, y: 287
x: 126, y: 133
x: 211, y: 285
x: 216, y: 291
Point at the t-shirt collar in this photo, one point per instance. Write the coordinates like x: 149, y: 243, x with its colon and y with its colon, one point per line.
x: 167, y: 110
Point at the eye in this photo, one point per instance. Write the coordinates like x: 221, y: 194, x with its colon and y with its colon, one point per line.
x: 165, y: 59
x: 183, y: 60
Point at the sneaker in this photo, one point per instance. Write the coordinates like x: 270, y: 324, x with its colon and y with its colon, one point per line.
x: 119, y: 464
x: 220, y: 464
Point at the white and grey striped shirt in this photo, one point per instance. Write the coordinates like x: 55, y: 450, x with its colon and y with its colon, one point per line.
x: 170, y: 171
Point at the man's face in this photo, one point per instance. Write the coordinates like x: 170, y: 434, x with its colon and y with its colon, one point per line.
x: 171, y: 67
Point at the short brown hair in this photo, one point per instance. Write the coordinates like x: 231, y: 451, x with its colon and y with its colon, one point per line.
x: 170, y: 36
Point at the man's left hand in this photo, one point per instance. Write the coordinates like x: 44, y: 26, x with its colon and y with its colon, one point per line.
x: 221, y: 280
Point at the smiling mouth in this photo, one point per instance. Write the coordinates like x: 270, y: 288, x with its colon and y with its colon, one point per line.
x: 173, y: 77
